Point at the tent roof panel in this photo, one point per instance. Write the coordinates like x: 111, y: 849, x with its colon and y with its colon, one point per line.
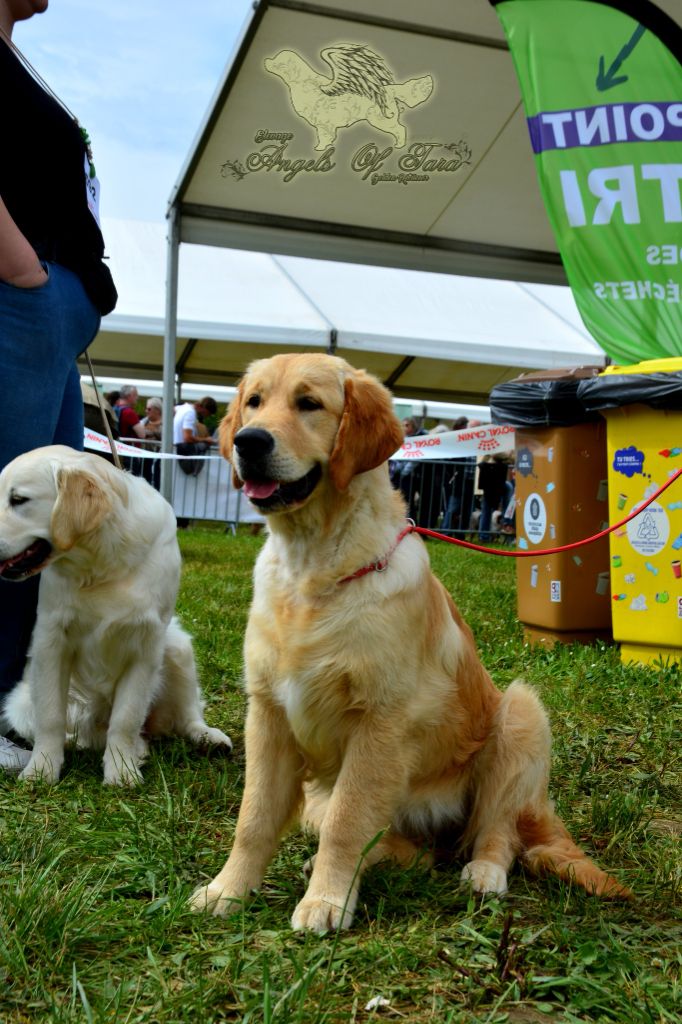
x: 484, y: 218
x: 436, y: 380
x: 261, y: 102
x: 330, y: 183
x: 481, y: 211
x: 466, y: 17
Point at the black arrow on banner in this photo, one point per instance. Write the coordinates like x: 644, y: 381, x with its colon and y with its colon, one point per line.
x: 607, y: 80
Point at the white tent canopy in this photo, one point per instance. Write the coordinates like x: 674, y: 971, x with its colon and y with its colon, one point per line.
x: 386, y: 132
x: 428, y: 336
x: 447, y: 82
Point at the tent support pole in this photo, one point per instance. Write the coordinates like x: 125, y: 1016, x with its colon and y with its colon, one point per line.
x: 170, y: 334
x: 403, y: 365
x: 333, y: 337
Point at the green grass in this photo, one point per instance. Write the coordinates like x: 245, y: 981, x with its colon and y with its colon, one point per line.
x: 94, y: 882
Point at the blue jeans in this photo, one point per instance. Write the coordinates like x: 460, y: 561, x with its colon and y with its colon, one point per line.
x: 42, y: 331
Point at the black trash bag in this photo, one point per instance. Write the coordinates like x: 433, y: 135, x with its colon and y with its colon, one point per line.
x: 614, y: 390
x: 547, y: 398
x: 191, y: 467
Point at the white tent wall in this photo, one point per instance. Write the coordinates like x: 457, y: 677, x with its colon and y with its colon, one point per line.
x: 430, y: 337
x: 433, y: 337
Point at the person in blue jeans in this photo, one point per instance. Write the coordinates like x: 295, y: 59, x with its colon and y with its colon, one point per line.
x: 54, y: 289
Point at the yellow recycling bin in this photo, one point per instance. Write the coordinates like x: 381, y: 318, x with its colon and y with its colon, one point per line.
x: 643, y: 409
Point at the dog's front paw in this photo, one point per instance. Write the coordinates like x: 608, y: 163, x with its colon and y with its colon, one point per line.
x: 214, y: 899
x: 121, y: 769
x: 485, y: 877
x: 322, y: 914
x: 210, y: 737
x: 43, y: 767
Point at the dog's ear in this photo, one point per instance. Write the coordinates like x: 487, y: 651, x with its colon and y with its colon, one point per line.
x: 81, y: 507
x: 369, y: 431
x: 229, y: 425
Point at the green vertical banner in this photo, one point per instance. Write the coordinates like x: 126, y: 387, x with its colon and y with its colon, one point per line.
x: 602, y: 91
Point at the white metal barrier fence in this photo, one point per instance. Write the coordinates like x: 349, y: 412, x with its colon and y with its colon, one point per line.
x: 440, y: 491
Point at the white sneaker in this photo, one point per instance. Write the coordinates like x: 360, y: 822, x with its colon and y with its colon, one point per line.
x: 12, y: 757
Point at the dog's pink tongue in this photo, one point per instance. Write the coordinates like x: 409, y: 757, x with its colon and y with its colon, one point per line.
x: 254, y: 489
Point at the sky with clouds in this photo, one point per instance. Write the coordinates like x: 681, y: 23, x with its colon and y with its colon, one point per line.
x: 139, y: 75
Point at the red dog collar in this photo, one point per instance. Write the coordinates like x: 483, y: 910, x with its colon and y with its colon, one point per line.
x: 381, y: 563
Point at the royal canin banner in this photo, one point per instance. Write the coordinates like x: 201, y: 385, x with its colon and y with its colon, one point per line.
x: 95, y: 442
x: 457, y: 444
x: 453, y: 444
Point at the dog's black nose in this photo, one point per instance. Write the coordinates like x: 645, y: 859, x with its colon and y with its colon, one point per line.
x: 253, y: 443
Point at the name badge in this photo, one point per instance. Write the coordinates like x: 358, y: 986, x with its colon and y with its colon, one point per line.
x: 92, y: 192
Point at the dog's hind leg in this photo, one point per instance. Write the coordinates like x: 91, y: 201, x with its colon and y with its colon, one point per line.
x: 389, y: 123
x: 512, y: 813
x: 509, y: 776
x: 178, y: 708
x: 18, y: 712
x: 549, y: 850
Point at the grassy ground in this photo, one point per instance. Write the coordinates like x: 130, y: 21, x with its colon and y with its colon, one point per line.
x: 93, y: 925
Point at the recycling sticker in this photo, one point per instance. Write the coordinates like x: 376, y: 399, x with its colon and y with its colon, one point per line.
x: 648, y: 532
x: 534, y: 518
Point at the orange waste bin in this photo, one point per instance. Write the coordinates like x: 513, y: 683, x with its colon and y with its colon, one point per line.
x: 561, y: 497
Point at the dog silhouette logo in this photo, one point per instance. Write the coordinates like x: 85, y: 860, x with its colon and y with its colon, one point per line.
x: 361, y: 88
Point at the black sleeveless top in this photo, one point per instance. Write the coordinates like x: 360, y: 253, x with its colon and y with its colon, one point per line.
x: 42, y: 180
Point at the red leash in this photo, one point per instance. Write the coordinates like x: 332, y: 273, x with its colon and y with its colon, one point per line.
x: 381, y: 563
x: 551, y: 551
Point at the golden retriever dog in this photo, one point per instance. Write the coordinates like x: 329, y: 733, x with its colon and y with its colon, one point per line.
x: 108, y: 664
x: 370, y: 716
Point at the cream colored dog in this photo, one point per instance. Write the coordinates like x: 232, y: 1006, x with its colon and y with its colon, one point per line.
x: 368, y: 709
x: 108, y: 661
x: 362, y: 89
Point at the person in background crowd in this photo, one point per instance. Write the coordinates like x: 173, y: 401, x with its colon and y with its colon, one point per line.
x: 152, y: 421
x: 434, y: 473
x: 54, y: 289
x: 492, y: 479
x: 408, y: 475
x: 188, y: 439
x: 153, y: 424
x: 92, y: 416
x: 508, y: 523
x: 129, y: 424
x: 461, y: 486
